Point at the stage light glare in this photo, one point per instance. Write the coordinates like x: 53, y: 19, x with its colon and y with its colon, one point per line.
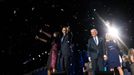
x: 113, y: 31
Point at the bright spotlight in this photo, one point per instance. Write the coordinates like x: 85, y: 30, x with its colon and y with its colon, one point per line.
x: 113, y: 31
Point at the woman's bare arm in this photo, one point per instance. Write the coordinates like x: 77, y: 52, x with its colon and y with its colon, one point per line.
x: 41, y: 39
x: 47, y: 34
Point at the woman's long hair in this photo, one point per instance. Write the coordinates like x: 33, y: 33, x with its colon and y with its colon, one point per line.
x: 130, y: 53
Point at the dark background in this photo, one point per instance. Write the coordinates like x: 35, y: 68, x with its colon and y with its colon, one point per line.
x: 21, y: 20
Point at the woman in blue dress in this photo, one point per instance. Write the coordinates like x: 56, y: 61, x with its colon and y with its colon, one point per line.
x: 113, y: 51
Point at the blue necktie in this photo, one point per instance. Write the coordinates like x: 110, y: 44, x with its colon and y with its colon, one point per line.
x: 62, y: 38
x: 95, y: 40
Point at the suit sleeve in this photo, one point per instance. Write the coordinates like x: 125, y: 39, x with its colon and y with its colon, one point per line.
x: 104, y: 47
x: 88, y: 48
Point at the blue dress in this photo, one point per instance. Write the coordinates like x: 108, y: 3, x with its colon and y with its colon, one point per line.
x: 113, y: 54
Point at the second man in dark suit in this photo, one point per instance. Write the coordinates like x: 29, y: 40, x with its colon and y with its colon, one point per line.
x: 65, y: 50
x: 95, y: 51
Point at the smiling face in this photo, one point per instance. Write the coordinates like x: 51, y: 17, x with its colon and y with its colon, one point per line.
x: 93, y: 32
x: 64, y: 30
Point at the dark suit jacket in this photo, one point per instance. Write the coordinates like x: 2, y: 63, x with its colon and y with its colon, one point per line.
x: 94, y: 51
x: 65, y: 46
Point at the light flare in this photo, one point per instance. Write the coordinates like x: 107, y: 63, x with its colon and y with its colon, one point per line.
x: 113, y: 31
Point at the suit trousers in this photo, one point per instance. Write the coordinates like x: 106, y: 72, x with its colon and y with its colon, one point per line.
x: 97, y: 65
x: 65, y: 62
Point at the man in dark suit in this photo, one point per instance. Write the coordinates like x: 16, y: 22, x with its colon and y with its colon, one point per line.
x: 95, y: 51
x: 65, y: 50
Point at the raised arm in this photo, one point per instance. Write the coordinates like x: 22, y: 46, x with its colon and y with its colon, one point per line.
x: 41, y: 39
x: 47, y: 34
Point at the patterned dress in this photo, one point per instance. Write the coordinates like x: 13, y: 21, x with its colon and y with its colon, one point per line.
x: 52, y: 60
x: 54, y: 55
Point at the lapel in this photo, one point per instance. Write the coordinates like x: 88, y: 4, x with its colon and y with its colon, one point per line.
x: 94, y: 41
x: 62, y: 39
